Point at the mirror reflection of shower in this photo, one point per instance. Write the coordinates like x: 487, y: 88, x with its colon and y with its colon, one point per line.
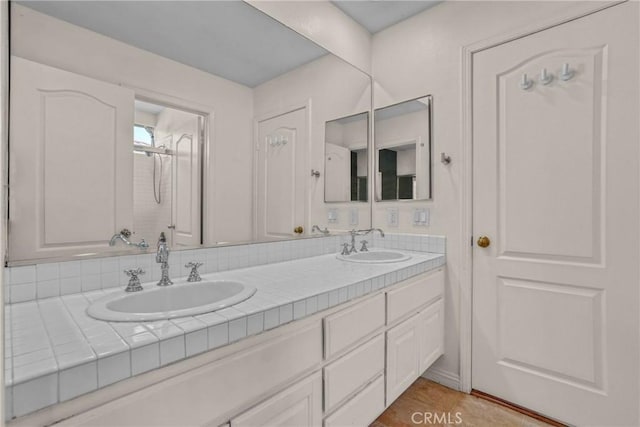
x: 167, y: 173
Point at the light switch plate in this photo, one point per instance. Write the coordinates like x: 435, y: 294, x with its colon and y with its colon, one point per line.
x: 421, y: 217
x: 332, y: 216
x: 392, y: 217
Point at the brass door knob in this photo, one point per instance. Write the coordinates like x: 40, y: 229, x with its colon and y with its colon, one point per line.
x: 298, y: 230
x: 483, y: 241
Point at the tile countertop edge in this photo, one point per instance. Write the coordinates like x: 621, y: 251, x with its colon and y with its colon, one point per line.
x: 123, y: 350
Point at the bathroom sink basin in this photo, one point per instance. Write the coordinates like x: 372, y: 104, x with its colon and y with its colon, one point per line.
x: 179, y: 300
x: 375, y: 257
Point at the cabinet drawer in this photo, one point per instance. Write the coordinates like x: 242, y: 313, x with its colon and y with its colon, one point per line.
x: 299, y: 405
x: 346, y: 327
x: 362, y: 410
x: 410, y: 298
x: 353, y: 370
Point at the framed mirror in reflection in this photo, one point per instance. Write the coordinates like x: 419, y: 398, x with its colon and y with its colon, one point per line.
x: 346, y: 159
x: 403, y: 150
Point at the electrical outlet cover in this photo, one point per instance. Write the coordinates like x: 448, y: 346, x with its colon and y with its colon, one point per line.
x: 354, y: 217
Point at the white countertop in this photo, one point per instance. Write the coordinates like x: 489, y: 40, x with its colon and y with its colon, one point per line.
x: 54, y: 337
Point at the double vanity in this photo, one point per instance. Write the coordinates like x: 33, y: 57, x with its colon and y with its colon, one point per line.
x: 244, y: 345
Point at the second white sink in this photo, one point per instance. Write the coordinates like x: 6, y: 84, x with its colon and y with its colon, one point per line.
x: 179, y: 300
x: 376, y: 256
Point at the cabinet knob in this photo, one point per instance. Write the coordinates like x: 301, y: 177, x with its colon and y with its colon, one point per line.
x: 298, y: 230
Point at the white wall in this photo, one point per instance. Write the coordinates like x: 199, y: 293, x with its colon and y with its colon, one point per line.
x: 336, y: 89
x: 47, y: 40
x: 145, y: 119
x: 420, y: 56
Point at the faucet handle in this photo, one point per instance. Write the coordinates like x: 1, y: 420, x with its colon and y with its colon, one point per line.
x: 345, y: 249
x: 134, y: 272
x: 194, y: 275
x: 134, y: 283
x: 364, y: 248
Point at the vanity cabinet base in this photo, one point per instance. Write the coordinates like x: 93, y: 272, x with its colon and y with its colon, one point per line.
x: 281, y: 378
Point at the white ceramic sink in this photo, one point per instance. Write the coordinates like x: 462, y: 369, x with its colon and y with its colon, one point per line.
x: 376, y: 257
x: 178, y: 300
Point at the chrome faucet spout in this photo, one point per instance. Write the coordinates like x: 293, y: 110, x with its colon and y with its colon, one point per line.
x: 371, y: 230
x: 319, y: 230
x: 162, y: 258
x: 123, y: 236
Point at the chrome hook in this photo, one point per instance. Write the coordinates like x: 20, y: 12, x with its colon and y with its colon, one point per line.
x: 525, y: 83
x: 566, y: 73
x: 545, y: 77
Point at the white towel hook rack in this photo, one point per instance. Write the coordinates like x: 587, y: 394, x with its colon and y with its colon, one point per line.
x: 566, y: 73
x: 545, y: 77
x: 525, y: 83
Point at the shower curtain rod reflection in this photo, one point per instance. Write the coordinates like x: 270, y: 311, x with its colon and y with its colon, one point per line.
x: 141, y: 148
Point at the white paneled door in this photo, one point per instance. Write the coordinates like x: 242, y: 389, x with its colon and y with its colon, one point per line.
x: 71, y: 160
x: 556, y: 236
x: 186, y: 181
x: 283, y: 176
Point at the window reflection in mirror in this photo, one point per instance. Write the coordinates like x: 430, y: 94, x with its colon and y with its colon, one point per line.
x: 403, y: 150
x: 346, y: 171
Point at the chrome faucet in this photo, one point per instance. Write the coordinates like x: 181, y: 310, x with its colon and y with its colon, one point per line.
x: 319, y: 230
x: 350, y: 249
x: 370, y: 230
x: 162, y: 257
x: 124, y: 236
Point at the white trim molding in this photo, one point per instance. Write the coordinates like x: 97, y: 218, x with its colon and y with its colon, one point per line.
x: 446, y: 378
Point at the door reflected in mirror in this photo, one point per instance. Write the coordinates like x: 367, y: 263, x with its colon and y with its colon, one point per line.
x: 403, y: 150
x: 346, y: 158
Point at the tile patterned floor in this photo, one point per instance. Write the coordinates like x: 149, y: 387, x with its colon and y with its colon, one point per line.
x: 437, y: 405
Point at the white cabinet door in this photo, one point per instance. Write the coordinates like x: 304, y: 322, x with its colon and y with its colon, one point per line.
x: 402, y: 357
x: 412, y: 347
x: 431, y: 335
x: 71, y: 162
x: 297, y: 406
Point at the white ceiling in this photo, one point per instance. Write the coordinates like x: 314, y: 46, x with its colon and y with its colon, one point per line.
x: 377, y: 15
x: 228, y: 38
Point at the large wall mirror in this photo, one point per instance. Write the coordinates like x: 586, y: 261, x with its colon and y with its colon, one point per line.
x: 403, y: 150
x: 211, y: 133
x: 346, y: 159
